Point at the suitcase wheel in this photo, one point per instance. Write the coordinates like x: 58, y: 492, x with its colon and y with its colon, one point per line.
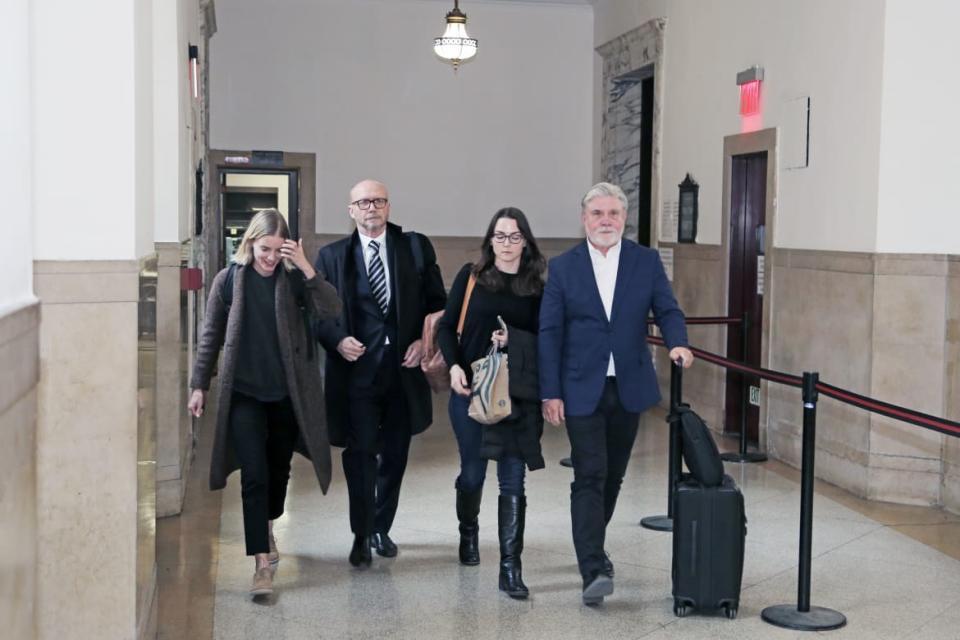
x: 731, y: 612
x: 681, y: 610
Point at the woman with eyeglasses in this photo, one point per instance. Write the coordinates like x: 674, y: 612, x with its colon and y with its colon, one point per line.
x: 507, y: 282
x: 259, y: 312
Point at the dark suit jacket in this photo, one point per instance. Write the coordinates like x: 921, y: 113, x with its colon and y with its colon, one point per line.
x: 414, y: 294
x: 576, y: 339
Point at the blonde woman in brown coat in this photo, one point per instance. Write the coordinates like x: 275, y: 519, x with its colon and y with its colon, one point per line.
x: 269, y: 381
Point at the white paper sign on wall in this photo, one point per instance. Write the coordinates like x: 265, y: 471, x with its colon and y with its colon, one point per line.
x: 666, y: 256
x: 669, y: 219
x: 760, y: 275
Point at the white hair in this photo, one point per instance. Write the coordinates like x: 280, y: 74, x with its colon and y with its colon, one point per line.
x: 602, y: 189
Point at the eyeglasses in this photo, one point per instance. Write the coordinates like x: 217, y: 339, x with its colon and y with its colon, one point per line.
x: 364, y: 203
x: 513, y: 238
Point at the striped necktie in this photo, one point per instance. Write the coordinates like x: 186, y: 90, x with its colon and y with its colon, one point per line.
x: 378, y: 279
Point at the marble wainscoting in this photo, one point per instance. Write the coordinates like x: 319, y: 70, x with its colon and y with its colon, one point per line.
x: 19, y: 376
x: 699, y: 288
x: 454, y: 251
x: 951, y: 449
x: 879, y: 325
x: 821, y: 320
x: 174, y: 428
x: 87, y: 449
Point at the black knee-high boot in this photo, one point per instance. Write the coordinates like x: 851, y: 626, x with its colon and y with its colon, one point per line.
x: 512, y: 515
x: 468, y: 510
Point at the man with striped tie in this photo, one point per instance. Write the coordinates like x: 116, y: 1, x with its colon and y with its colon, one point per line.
x: 376, y: 394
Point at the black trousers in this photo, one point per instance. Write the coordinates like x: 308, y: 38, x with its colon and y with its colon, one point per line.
x: 601, y: 444
x: 378, y: 444
x: 262, y: 435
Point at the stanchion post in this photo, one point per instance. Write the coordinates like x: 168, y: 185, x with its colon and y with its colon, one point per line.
x: 744, y: 455
x: 665, y: 523
x: 804, y: 617
x: 744, y: 384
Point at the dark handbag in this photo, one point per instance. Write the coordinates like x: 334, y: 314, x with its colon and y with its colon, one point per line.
x: 699, y: 448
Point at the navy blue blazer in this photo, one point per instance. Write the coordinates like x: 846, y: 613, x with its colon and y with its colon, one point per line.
x: 576, y: 339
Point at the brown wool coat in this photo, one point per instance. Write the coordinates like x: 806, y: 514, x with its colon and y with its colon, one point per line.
x: 221, y: 328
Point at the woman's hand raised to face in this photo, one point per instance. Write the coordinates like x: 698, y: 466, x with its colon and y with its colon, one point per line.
x: 293, y: 251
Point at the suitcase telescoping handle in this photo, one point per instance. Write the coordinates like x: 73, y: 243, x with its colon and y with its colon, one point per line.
x: 665, y: 522
x: 676, y: 384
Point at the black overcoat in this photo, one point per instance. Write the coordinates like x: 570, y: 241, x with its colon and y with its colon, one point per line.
x: 416, y: 292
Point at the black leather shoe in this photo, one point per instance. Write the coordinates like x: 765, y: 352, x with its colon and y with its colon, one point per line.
x: 607, y: 565
x: 596, y: 589
x: 360, y: 553
x: 383, y: 545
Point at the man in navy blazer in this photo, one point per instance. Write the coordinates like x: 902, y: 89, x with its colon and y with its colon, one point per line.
x: 596, y: 373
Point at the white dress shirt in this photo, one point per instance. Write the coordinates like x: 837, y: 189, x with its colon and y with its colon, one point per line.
x: 365, y: 243
x: 605, y: 272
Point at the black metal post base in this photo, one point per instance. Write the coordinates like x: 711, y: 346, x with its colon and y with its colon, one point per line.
x: 736, y: 456
x: 817, y: 619
x: 566, y: 462
x: 657, y: 523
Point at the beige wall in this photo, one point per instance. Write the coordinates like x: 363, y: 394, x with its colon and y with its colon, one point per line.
x: 19, y: 375
x: 174, y: 432
x: 513, y: 127
x: 874, y: 324
x: 822, y: 320
x: 951, y: 449
x: 880, y: 325
x: 87, y: 449
x: 698, y: 286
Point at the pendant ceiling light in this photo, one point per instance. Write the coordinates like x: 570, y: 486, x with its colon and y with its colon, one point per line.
x: 454, y: 46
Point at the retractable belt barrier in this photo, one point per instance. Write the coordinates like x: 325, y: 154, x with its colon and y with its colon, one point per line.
x: 904, y: 414
x: 801, y: 616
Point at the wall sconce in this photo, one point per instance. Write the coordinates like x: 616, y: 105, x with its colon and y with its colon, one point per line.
x: 455, y: 46
x: 193, y: 53
x: 689, y: 205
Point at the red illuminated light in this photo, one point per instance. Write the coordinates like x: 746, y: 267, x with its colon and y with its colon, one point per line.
x: 750, y: 98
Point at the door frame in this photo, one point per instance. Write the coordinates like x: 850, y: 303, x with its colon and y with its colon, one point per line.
x: 765, y: 140
x: 306, y: 166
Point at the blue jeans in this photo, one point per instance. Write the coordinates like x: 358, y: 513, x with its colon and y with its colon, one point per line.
x: 473, y: 469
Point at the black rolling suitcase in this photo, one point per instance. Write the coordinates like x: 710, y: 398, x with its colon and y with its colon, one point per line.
x: 709, y: 529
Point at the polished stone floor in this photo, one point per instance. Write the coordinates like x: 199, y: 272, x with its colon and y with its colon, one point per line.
x: 894, y: 571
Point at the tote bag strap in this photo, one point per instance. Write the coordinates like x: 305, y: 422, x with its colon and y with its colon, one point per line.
x: 466, y: 301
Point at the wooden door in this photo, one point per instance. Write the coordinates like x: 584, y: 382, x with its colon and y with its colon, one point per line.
x: 748, y: 198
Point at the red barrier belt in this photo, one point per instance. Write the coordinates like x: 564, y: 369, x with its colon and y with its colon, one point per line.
x: 941, y: 425
x: 890, y: 410
x: 767, y: 374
